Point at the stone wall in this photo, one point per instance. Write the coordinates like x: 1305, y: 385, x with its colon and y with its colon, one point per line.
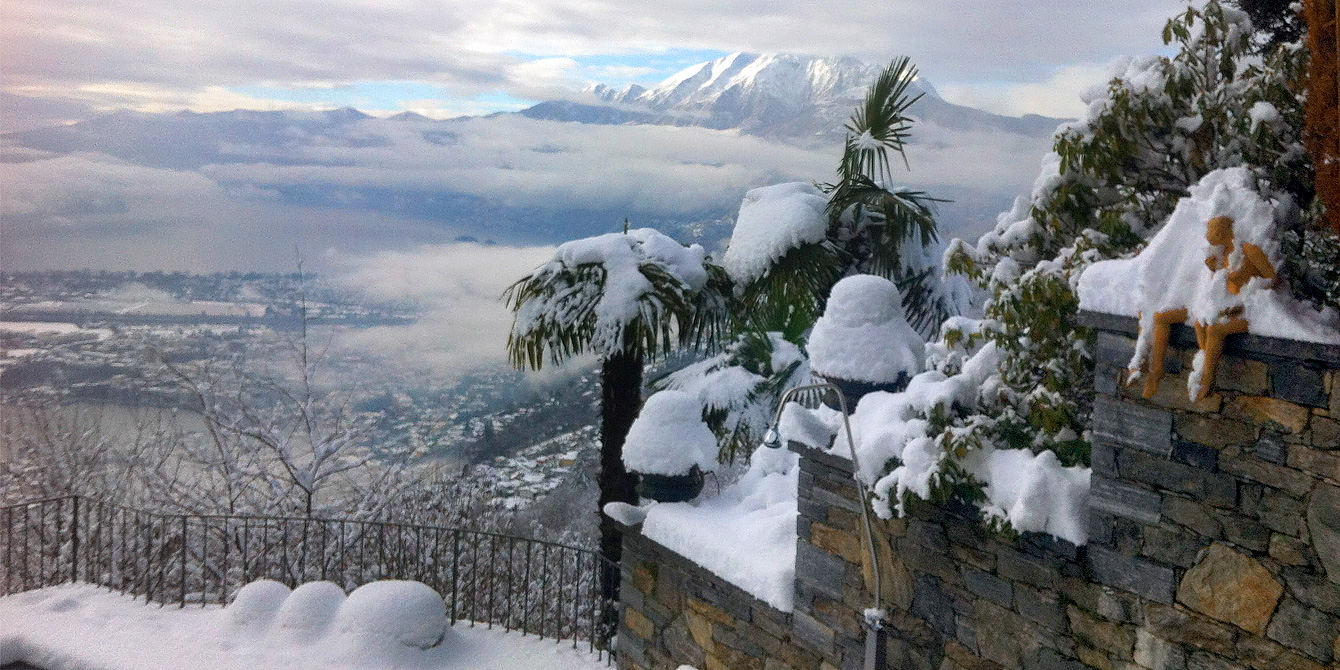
x: 1215, y: 545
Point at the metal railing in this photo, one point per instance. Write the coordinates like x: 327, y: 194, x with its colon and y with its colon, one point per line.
x: 532, y: 586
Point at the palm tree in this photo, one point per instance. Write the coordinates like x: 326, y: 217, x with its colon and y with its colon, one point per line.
x: 627, y: 298
x: 870, y: 224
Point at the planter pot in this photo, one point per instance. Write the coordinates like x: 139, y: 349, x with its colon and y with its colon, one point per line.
x: 671, y: 488
x: 853, y: 391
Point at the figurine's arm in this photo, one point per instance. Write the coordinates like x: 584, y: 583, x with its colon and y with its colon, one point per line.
x: 1257, y: 265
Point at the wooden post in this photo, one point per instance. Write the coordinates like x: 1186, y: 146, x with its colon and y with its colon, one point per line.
x: 1322, y: 132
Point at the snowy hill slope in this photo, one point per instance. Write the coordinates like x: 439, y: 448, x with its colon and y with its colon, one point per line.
x: 781, y: 96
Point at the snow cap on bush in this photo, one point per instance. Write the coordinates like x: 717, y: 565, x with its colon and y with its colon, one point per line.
x: 669, y: 436
x: 774, y: 220
x: 309, y: 610
x: 863, y: 335
x: 410, y: 613
x: 256, y: 603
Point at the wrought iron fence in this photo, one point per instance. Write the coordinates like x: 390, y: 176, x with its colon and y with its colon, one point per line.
x: 533, y: 586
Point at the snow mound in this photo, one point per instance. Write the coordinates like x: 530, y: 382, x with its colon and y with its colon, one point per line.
x: 1035, y: 492
x: 1171, y: 272
x: 410, y: 613
x: 669, y: 436
x: 774, y: 220
x: 257, y: 603
x: 747, y: 534
x: 863, y: 335
x: 309, y: 610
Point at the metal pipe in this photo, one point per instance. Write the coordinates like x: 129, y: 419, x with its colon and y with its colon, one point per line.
x: 772, y: 439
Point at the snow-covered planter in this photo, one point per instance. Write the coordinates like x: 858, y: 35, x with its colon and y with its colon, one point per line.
x: 671, y: 447
x: 863, y: 342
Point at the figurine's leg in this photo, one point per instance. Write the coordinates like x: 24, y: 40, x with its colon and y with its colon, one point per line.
x: 1213, y: 346
x: 1163, y: 322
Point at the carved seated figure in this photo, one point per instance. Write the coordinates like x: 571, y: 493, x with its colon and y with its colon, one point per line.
x: 1242, y: 264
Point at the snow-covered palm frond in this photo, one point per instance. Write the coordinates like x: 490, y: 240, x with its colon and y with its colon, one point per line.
x: 880, y: 124
x: 612, y: 294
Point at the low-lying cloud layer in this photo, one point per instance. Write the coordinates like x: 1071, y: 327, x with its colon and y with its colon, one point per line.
x: 377, y: 185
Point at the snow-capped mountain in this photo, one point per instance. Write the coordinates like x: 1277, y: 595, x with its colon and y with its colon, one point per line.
x: 774, y: 95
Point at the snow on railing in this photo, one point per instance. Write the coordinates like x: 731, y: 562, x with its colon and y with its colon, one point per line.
x: 533, y: 586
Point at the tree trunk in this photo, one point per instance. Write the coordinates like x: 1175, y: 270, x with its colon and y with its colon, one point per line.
x: 620, y: 397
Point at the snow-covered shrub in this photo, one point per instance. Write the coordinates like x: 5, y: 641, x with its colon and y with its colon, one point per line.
x: 256, y: 604
x: 1114, y: 178
x: 669, y: 436
x: 410, y: 613
x: 309, y: 610
x: 863, y: 335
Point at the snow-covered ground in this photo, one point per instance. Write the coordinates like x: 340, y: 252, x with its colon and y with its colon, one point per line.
x: 83, y: 627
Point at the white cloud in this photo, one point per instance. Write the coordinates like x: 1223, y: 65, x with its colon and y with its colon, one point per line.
x: 1058, y: 95
x: 74, y: 47
x: 457, y: 288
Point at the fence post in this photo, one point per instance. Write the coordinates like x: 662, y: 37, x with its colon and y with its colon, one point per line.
x: 183, y: 561
x: 74, y: 544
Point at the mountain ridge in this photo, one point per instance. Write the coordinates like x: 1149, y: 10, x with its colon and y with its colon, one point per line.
x: 777, y: 96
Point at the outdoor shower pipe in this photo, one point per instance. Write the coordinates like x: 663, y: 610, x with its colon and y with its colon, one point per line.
x: 773, y: 440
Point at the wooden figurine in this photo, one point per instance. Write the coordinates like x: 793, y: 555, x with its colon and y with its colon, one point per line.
x: 1210, y: 336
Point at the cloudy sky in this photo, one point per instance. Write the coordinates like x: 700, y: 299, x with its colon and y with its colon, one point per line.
x: 453, y: 57
x: 234, y: 206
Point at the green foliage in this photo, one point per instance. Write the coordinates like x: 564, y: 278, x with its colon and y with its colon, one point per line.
x: 1114, y: 178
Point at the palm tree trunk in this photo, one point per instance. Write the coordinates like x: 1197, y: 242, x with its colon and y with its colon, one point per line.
x: 620, y: 397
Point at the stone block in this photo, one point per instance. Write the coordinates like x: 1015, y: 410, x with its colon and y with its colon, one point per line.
x: 684, y: 649
x: 1003, y: 636
x: 1112, y: 349
x: 638, y: 623
x: 1195, y: 455
x: 1100, y: 527
x: 1264, y: 654
x: 1326, y: 431
x: 811, y: 631
x: 1135, y: 426
x: 1298, y: 383
x: 1199, y: 660
x: 644, y: 577
x: 1250, y: 467
x: 1124, y: 500
x: 1246, y: 533
x: 1304, y: 629
x: 1172, y: 546
x: 989, y: 586
x: 1112, y: 638
x: 1271, y: 448
x: 1316, y: 462
x: 700, y: 628
x: 1024, y: 568
x: 837, y: 542
x: 1281, y: 512
x: 1192, y: 515
x: 1289, y: 416
x: 1214, y: 488
x: 1231, y: 587
x: 930, y: 536
x: 820, y: 569
x: 1242, y: 375
x: 1050, y: 659
x: 1157, y: 653
x: 1180, y: 625
x: 1103, y: 459
x: 931, y: 603
x: 1039, y: 606
x: 1289, y: 551
x: 1213, y: 432
x: 1313, y: 589
x: 1323, y: 523
x: 1141, y: 577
